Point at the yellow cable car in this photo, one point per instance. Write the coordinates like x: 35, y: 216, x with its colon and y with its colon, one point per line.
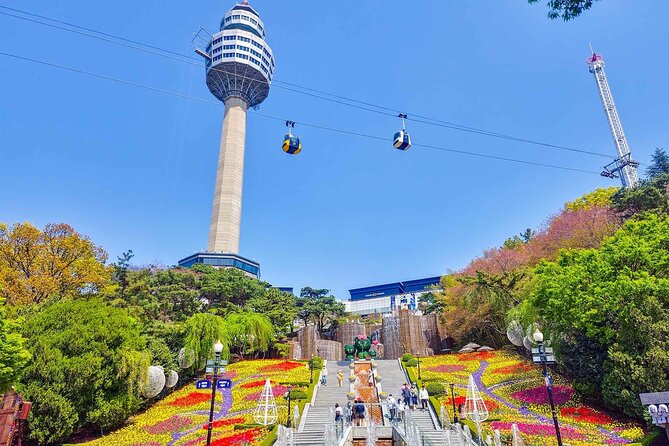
x: 291, y: 143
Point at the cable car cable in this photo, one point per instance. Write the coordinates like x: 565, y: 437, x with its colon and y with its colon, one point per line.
x: 316, y: 126
x: 196, y: 62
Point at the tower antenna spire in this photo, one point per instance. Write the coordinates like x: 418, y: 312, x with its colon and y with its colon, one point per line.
x: 623, y: 167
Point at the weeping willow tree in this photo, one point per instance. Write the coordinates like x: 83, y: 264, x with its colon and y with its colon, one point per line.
x: 202, y: 331
x: 249, y: 332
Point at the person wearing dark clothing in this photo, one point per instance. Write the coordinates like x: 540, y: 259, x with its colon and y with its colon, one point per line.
x: 359, y: 411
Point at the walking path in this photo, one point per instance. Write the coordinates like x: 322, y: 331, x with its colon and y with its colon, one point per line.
x: 322, y: 412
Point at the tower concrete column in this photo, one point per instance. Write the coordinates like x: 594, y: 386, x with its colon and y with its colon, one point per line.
x: 226, y: 215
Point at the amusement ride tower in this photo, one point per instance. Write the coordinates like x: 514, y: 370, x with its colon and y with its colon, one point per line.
x: 624, y: 166
x: 239, y: 69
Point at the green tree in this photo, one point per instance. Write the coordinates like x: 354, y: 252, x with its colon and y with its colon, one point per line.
x: 121, y: 268
x: 618, y: 298
x: 567, y: 9
x: 202, y: 331
x: 659, y: 164
x: 278, y: 306
x: 227, y: 289
x: 318, y: 306
x: 89, y: 360
x: 13, y: 357
x: 649, y: 196
x: 249, y: 332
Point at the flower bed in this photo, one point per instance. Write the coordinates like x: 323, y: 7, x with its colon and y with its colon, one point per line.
x: 513, y: 390
x: 181, y: 419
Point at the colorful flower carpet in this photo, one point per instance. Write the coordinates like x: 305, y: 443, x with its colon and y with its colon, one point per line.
x: 514, y: 392
x: 181, y: 418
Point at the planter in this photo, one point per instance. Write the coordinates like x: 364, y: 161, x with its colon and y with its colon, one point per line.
x: 379, y: 378
x: 351, y: 365
x: 351, y: 379
x: 350, y: 396
x: 383, y: 396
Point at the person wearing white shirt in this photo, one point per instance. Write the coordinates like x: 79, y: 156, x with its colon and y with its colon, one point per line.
x: 424, y: 397
x: 392, y: 407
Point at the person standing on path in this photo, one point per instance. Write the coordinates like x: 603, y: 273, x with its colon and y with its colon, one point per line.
x: 324, y: 376
x: 414, y: 396
x: 406, y: 394
x: 401, y: 407
x: 424, y: 397
x: 392, y: 407
x: 359, y: 409
x: 338, y: 412
x: 340, y: 378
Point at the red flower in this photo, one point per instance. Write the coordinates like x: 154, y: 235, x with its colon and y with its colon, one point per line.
x: 458, y: 400
x: 479, y: 356
x: 191, y: 399
x: 252, y: 384
x: 282, y: 366
x: 586, y: 415
x: 238, y: 438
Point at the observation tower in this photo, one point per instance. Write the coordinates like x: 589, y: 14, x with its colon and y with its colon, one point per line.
x: 239, y: 69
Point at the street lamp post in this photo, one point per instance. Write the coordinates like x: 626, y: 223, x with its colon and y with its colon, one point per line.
x: 218, y: 348
x: 418, y: 356
x: 311, y: 370
x: 539, y: 339
x: 288, y: 398
x: 455, y: 412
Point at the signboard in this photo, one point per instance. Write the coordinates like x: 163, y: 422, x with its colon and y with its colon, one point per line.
x: 550, y: 358
x: 224, y: 384
x: 547, y: 350
x: 203, y: 384
x: 210, y: 366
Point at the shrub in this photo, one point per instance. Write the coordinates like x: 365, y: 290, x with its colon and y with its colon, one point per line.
x: 435, y: 389
x: 317, y: 362
x: 298, y: 394
x: 411, y: 363
x: 406, y: 357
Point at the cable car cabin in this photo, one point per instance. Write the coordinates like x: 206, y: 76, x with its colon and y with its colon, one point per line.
x: 291, y: 144
x: 402, y: 140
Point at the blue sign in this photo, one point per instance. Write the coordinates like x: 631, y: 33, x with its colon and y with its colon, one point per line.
x: 223, y: 384
x: 203, y: 384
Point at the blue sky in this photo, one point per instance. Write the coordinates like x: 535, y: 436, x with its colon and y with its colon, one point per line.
x: 135, y: 169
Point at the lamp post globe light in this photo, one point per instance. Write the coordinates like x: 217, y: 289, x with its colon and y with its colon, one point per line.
x: 539, y: 339
x: 218, y: 349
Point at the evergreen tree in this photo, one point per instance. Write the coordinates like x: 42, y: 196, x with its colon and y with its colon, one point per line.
x: 659, y: 164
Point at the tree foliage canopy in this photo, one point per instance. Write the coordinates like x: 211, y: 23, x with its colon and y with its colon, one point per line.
x: 318, y: 306
x: 56, y: 261
x: 566, y: 9
x: 13, y: 355
x: 617, y: 296
x: 93, y: 358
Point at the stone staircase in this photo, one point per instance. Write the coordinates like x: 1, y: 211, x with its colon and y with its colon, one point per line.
x: 392, y: 380
x: 312, y: 432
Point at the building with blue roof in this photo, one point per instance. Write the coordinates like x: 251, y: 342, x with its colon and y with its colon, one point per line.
x: 386, y: 298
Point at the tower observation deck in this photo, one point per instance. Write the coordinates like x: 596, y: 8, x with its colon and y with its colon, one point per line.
x: 239, y: 69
